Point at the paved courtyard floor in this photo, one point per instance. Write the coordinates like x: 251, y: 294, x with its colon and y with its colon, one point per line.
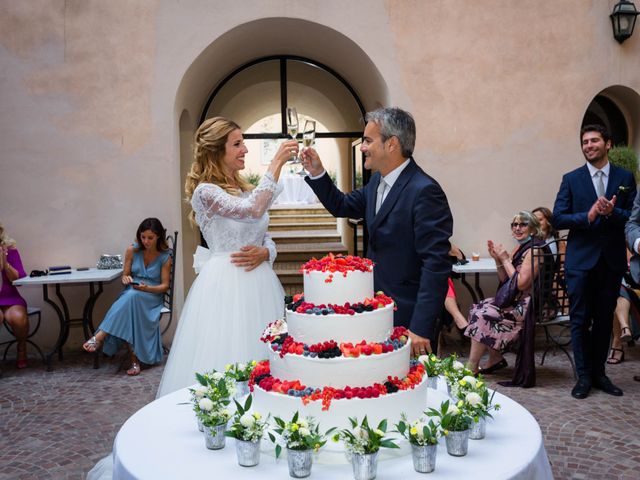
x: 58, y: 425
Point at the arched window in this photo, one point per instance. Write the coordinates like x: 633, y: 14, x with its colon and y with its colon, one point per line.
x: 604, y: 111
x: 257, y: 94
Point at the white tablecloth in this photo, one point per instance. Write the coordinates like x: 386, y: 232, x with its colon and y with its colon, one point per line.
x: 295, y: 191
x: 161, y: 440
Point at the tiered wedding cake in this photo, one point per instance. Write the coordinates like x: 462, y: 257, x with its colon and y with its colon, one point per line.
x: 338, y: 354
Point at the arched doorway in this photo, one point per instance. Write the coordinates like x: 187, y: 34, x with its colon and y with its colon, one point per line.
x: 239, y: 47
x: 617, y: 108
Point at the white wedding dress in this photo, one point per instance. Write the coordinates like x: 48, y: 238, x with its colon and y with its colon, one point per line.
x: 227, y: 308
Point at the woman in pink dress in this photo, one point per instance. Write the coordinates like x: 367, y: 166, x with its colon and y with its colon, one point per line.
x: 13, y: 308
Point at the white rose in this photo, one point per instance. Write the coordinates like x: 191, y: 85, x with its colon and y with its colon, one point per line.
x: 473, y: 399
x: 470, y: 380
x: 304, y: 431
x: 303, y: 423
x: 199, y: 391
x: 457, y: 365
x: 225, y: 413
x: 419, y: 426
x: 361, y: 433
x: 453, y: 410
x: 241, y: 366
x: 205, y: 404
x: 423, y: 358
x: 247, y: 420
x: 217, y: 376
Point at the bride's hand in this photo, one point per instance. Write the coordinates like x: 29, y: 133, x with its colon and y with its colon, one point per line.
x: 286, y: 151
x: 249, y: 257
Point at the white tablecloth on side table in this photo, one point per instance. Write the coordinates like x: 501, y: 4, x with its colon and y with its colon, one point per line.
x: 295, y: 191
x: 161, y: 440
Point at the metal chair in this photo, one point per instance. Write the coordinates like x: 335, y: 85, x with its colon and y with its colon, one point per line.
x: 550, y: 301
x: 31, y: 312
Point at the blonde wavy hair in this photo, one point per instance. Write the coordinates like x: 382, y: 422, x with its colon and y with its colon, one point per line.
x: 5, y: 240
x: 208, y: 151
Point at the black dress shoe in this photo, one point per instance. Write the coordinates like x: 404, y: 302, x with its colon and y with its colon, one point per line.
x: 581, y: 390
x: 494, y: 368
x: 603, y: 383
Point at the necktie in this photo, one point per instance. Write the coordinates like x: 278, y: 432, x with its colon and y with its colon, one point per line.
x: 600, y: 183
x: 382, y: 186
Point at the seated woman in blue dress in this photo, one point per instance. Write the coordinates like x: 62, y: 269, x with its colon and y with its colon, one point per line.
x: 135, y: 315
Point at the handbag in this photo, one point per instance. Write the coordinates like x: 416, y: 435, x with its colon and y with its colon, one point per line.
x: 507, y: 292
x: 109, y: 262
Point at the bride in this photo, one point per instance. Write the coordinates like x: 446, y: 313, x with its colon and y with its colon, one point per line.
x: 236, y: 293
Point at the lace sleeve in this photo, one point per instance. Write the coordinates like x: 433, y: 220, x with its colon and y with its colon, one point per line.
x: 210, y: 199
x: 270, y: 245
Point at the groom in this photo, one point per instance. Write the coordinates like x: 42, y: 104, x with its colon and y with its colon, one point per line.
x: 408, y: 220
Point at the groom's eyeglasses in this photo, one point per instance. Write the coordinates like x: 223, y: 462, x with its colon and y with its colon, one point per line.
x: 515, y: 225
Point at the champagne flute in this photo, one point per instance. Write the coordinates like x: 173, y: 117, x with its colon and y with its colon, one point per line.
x: 292, y: 126
x: 308, y: 138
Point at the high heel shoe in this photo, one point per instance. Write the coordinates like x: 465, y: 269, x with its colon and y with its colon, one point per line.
x: 613, y: 358
x: 625, y: 334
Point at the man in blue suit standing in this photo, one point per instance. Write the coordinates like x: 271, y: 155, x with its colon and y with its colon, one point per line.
x: 594, y: 203
x: 408, y: 220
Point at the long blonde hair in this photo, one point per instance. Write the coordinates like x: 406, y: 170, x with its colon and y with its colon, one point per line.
x: 5, y: 240
x: 208, y: 152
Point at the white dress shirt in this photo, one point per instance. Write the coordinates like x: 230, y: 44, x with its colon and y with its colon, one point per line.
x: 605, y: 177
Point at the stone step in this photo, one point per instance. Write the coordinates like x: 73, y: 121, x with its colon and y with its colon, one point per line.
x: 316, y: 209
x: 301, y: 252
x: 295, y: 218
x: 305, y: 236
x: 305, y: 225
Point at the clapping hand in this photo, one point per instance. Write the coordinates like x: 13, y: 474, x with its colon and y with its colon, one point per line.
x: 601, y: 206
x: 492, y: 250
x: 3, y: 257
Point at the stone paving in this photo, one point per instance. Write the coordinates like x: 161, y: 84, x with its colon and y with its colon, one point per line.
x: 58, y: 425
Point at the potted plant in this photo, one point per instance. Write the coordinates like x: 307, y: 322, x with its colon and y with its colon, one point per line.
x: 453, y: 371
x: 301, y: 437
x: 240, y: 372
x: 363, y: 443
x: 247, y: 428
x: 433, y: 367
x: 455, y: 422
x: 197, y: 393
x: 479, y: 403
x: 423, y: 437
x: 212, y: 407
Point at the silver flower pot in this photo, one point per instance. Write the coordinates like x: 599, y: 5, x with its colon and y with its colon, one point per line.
x: 199, y: 422
x: 248, y: 453
x: 242, y: 389
x: 424, y: 457
x: 214, y: 438
x: 365, y: 465
x: 432, y: 382
x: 458, y: 443
x: 478, y: 429
x: 300, y: 462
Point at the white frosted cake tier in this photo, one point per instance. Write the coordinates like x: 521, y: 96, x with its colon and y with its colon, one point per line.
x: 340, y: 372
x: 412, y: 402
x: 374, y: 326
x: 353, y: 288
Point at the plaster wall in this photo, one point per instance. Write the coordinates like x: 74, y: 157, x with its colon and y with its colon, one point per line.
x: 97, y: 101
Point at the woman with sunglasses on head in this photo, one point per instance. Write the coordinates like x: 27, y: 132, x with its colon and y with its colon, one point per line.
x: 13, y: 308
x: 495, y: 323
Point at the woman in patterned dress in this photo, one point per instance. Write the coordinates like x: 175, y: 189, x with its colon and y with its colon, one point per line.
x: 236, y: 293
x: 494, y: 328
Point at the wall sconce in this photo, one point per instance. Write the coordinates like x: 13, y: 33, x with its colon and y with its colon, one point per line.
x: 623, y: 20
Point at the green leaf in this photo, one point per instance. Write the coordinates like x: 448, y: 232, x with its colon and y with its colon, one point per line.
x: 238, y: 407
x: 383, y: 425
x: 201, y: 380
x: 388, y: 444
x: 281, y: 423
x: 278, y: 451
x: 247, y: 403
x: 295, y: 417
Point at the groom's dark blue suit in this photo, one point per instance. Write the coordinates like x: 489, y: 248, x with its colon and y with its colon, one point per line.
x: 408, y: 241
x: 595, y: 261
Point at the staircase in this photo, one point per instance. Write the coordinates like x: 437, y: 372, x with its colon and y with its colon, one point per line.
x: 299, y: 234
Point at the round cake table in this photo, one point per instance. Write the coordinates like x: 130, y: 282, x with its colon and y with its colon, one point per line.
x: 161, y: 440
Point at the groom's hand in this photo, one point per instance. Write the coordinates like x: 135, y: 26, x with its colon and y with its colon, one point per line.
x: 419, y: 345
x: 249, y: 257
x: 311, y: 162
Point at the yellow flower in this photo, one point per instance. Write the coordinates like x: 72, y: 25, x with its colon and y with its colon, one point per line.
x: 257, y: 415
x: 462, y: 382
x: 460, y: 403
x: 413, y: 430
x: 479, y: 384
x: 294, y: 427
x: 316, y: 447
x: 445, y: 432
